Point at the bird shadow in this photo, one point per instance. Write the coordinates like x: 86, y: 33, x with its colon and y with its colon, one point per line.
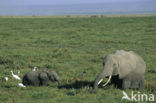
x: 77, y: 85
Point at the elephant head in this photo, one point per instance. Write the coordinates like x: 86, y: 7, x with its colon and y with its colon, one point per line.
x: 114, y: 64
x: 52, y: 75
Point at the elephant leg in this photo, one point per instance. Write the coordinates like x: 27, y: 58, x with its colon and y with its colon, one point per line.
x: 35, y: 83
x: 43, y: 82
x: 134, y: 84
x: 126, y: 84
x: 137, y: 81
x: 141, y: 83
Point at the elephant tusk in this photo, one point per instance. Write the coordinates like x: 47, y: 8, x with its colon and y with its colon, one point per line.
x: 100, y: 81
x: 108, y: 80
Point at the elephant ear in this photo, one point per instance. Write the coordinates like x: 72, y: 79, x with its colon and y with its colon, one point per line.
x: 115, y: 65
x: 43, y: 76
x: 125, y: 65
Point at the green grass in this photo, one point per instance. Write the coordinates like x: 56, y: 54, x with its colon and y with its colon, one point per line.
x: 71, y: 46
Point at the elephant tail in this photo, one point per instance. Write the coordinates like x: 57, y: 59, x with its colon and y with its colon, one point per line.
x: 25, y: 80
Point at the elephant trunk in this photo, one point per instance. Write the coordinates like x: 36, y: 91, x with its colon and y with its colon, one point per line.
x: 59, y: 82
x: 99, y: 79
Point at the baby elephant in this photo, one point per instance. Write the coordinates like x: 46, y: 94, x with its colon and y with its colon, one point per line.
x: 40, y: 78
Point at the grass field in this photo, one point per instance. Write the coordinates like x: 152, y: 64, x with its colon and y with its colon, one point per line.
x: 72, y: 46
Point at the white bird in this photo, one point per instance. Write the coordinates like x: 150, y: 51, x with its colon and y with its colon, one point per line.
x: 35, y: 68
x: 18, y: 72
x: 15, y: 76
x: 6, y: 78
x: 125, y: 96
x: 21, y: 85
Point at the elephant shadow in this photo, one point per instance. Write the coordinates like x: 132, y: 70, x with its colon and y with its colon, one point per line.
x: 77, y: 85
x: 85, y: 84
x: 116, y: 81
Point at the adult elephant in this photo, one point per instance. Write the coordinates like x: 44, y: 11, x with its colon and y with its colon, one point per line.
x: 40, y: 78
x: 127, y: 65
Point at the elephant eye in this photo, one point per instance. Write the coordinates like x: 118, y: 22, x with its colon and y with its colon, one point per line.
x: 114, y: 65
x: 103, y: 63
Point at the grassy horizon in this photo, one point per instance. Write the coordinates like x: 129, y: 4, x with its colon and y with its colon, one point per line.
x: 72, y: 46
x: 79, y: 16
